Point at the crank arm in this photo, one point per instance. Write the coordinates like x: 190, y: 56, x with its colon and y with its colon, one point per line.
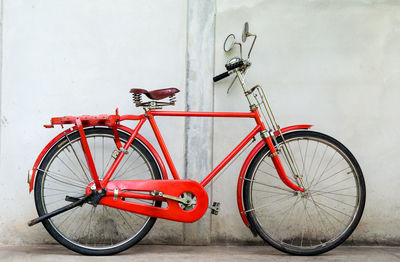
x: 59, y: 211
x: 178, y: 199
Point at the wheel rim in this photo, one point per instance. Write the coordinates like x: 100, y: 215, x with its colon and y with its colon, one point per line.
x: 89, y: 227
x: 311, y: 221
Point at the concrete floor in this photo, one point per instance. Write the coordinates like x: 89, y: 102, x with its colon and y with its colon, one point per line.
x: 198, y: 253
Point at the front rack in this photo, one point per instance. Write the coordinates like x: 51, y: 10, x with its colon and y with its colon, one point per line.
x: 260, y: 101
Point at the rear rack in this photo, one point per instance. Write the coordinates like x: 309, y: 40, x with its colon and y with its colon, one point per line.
x: 87, y: 120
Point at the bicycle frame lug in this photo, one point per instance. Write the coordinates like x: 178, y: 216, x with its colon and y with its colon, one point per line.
x: 93, y: 187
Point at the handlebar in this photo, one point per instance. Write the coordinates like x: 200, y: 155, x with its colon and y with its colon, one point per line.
x: 221, y: 76
x: 228, y: 67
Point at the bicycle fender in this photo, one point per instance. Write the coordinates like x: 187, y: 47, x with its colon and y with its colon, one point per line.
x: 46, y: 149
x: 247, y: 162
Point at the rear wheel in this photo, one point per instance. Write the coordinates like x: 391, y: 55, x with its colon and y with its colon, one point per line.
x: 318, y: 220
x: 92, y: 230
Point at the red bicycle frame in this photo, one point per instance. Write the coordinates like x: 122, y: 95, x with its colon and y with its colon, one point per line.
x: 113, y: 121
x: 150, y: 116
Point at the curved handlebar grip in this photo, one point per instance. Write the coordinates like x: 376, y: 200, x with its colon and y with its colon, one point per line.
x: 220, y: 77
x: 230, y: 67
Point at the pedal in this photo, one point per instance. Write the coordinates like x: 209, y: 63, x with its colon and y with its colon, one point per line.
x: 215, y: 208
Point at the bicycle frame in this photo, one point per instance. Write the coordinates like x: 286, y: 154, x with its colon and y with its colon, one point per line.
x: 113, y: 121
x: 150, y: 116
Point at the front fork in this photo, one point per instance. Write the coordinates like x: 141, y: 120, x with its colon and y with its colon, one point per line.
x: 267, y: 136
x: 259, y: 98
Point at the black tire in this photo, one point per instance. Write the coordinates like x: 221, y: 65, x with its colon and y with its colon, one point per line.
x: 63, y: 172
x: 311, y: 223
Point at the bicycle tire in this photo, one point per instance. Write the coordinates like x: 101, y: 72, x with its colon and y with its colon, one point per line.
x: 63, y: 172
x: 274, y: 211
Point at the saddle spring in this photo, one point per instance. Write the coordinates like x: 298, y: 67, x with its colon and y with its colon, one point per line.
x: 137, y: 99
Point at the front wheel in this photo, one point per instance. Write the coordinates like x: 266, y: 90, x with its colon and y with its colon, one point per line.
x: 307, y: 223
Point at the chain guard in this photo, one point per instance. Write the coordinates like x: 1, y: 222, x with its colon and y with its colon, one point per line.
x: 168, y: 187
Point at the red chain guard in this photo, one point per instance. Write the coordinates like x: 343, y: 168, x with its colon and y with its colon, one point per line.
x: 169, y: 187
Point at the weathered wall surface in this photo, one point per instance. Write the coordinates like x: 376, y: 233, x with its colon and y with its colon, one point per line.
x: 334, y: 64
x: 81, y: 57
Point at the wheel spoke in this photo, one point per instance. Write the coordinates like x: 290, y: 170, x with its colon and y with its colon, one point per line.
x: 95, y: 230
x: 78, y: 159
x: 269, y: 204
x: 313, y: 221
x: 260, y: 183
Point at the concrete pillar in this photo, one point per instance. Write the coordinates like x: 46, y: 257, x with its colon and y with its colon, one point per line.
x: 199, y: 97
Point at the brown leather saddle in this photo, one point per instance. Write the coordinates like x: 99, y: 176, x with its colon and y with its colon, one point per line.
x: 156, y: 94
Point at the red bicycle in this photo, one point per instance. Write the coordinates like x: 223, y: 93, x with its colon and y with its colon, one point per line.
x: 99, y: 186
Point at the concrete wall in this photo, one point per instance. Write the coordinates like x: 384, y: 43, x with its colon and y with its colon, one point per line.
x: 334, y: 64
x: 80, y: 57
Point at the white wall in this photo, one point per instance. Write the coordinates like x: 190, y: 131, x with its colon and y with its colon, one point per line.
x: 79, y: 57
x: 334, y: 64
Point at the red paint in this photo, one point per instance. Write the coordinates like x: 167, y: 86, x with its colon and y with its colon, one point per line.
x: 245, y: 166
x: 70, y: 130
x: 203, y: 114
x: 173, y: 187
x: 114, y: 166
x: 279, y: 167
x: 43, y: 153
x: 88, y: 155
x: 230, y: 156
x: 151, y: 148
x: 292, y: 128
x: 163, y: 146
x: 169, y: 187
